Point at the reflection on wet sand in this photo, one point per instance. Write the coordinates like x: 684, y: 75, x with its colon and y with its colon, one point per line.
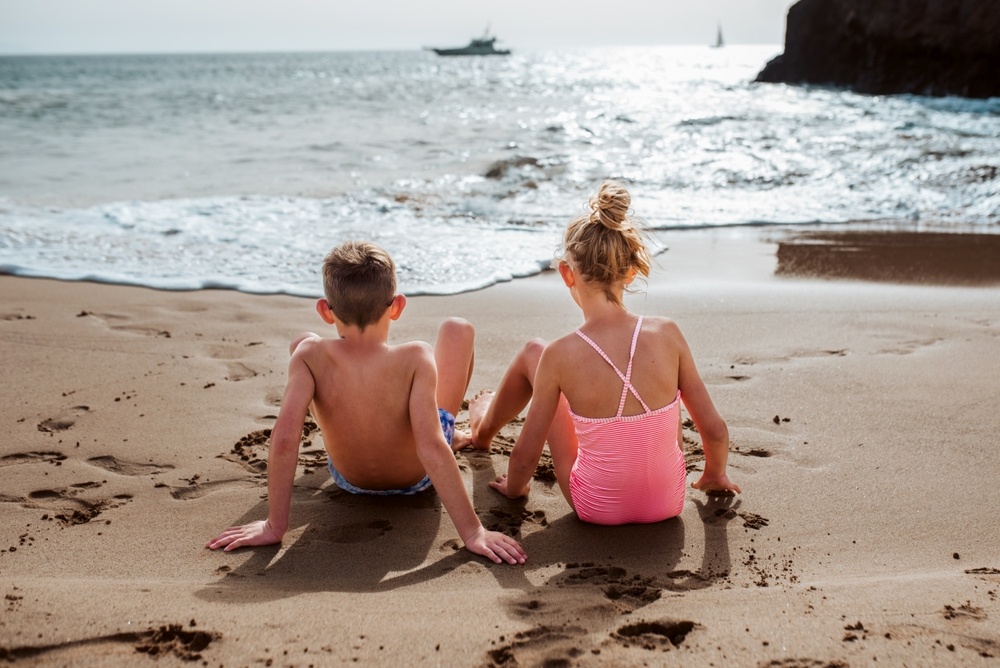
x: 896, y: 256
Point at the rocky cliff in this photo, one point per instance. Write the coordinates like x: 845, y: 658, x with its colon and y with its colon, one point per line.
x: 924, y: 47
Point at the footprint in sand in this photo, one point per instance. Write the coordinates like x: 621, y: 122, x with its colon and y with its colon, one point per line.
x: 908, y: 347
x: 546, y: 645
x: 143, y: 331
x: 964, y: 611
x: 573, y: 613
x: 62, y: 422
x: 66, y: 508
x: 250, y: 451
x: 237, y: 371
x: 115, y: 465
x: 108, y: 318
x: 789, y: 357
x: 50, y: 457
x: 510, y: 521
x: 662, y: 634
x: 985, y: 647
x: 225, y: 351
x: 185, y: 644
x: 626, y: 593
x: 196, y: 490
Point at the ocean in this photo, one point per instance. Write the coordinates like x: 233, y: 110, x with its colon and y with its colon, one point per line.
x: 241, y: 171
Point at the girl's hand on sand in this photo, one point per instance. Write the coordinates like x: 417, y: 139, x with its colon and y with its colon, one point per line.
x: 255, y: 533
x: 716, y: 483
x: 500, y: 485
x: 496, y: 546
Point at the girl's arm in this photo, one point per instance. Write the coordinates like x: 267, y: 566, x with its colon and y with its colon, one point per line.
x: 710, y: 425
x: 528, y: 448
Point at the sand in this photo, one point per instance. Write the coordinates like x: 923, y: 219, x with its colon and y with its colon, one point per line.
x: 863, y: 416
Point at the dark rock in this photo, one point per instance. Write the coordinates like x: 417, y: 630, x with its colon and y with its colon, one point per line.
x: 922, y: 47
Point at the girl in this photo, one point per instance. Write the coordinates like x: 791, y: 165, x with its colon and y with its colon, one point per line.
x: 607, y: 396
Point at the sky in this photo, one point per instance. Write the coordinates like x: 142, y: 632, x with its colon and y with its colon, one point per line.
x: 202, y: 26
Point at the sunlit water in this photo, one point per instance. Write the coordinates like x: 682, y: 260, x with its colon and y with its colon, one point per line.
x: 243, y: 170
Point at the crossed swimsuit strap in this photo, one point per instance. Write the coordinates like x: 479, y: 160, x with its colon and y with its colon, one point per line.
x: 626, y: 377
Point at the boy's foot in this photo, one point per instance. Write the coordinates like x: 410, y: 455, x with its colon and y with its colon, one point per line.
x: 477, y: 412
x: 461, y: 440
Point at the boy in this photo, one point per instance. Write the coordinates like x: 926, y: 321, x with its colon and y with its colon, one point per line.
x: 386, y: 412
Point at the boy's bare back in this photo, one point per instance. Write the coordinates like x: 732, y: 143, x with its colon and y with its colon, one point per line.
x: 362, y: 398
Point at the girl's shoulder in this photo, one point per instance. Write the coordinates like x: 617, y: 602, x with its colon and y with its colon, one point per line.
x: 659, y: 328
x: 566, y: 342
x: 659, y: 324
x: 662, y: 328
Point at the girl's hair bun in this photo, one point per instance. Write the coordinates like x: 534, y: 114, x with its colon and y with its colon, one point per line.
x: 607, y: 245
x: 610, y: 206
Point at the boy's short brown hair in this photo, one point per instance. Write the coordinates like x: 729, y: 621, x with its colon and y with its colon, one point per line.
x: 359, y: 279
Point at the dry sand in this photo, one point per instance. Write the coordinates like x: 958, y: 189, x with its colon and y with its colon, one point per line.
x: 863, y: 417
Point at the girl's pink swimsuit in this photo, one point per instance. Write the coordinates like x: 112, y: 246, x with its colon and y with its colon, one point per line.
x: 629, y: 469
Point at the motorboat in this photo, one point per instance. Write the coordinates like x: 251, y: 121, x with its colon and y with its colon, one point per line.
x: 481, y: 46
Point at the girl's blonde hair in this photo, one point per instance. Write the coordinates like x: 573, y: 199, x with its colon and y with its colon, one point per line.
x: 607, y: 245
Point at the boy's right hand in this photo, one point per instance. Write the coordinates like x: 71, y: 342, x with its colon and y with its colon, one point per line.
x: 496, y: 546
x: 255, y: 533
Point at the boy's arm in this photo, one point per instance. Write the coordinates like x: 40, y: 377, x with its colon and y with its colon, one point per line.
x: 710, y: 425
x: 439, y: 462
x: 282, y: 458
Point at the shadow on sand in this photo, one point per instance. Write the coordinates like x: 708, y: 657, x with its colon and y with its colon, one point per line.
x: 375, y: 544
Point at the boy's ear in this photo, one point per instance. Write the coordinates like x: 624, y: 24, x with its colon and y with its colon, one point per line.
x: 397, y: 306
x: 325, y: 312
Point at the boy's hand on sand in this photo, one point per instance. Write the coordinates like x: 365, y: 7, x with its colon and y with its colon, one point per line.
x: 496, y: 546
x: 500, y: 485
x: 716, y: 483
x: 255, y: 533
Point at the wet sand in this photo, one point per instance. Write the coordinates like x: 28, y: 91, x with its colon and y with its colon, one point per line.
x: 863, y: 422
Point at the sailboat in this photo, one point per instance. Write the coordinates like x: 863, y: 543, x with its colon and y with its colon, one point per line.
x: 719, y: 42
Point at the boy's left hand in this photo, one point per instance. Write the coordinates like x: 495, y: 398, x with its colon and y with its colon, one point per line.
x: 255, y: 533
x: 496, y: 546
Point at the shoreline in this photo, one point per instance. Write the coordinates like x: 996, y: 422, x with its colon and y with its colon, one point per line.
x: 891, y: 251
x: 860, y: 422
